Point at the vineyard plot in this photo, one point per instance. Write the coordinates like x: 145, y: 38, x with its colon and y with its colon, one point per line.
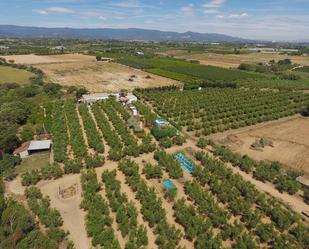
x: 215, y: 110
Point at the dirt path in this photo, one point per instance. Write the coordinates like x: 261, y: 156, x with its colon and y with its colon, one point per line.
x: 73, y: 217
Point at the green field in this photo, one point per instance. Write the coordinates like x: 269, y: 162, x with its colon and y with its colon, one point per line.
x: 14, y: 75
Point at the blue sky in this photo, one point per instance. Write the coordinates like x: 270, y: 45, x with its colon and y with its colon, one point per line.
x: 256, y: 19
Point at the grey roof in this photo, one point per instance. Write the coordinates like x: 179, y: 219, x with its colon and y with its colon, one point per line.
x: 40, y: 145
x: 303, y: 180
x: 98, y: 96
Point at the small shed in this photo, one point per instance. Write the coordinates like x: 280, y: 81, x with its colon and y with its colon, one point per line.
x: 22, y: 150
x: 302, y: 180
x: 160, y: 123
x: 39, y: 146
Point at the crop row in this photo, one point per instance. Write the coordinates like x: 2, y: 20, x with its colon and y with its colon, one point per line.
x: 213, y: 110
x: 242, y: 199
x: 93, y: 135
x: 98, y: 220
x: 77, y: 141
x: 126, y: 213
x: 167, y: 236
x: 110, y: 136
x: 60, y: 134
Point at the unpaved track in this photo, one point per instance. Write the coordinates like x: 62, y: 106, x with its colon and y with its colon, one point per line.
x: 73, y: 217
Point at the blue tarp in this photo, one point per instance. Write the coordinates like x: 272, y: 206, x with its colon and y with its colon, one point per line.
x: 184, y: 162
x: 168, y: 184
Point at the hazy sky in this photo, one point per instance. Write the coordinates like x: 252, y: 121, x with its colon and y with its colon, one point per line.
x: 256, y: 19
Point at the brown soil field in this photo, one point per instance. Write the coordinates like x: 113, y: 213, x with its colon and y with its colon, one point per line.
x: 83, y: 70
x: 233, y: 60
x: 289, y: 136
x: 33, y: 59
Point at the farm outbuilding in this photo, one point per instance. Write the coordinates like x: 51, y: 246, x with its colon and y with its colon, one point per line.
x: 160, y: 123
x: 302, y: 180
x: 22, y: 150
x: 92, y: 98
x: 29, y: 148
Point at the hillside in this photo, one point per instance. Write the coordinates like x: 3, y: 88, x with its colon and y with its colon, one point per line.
x: 112, y: 34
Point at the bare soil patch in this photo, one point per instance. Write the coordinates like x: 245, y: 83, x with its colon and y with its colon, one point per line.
x: 32, y: 59
x: 84, y: 70
x: 289, y: 136
x: 233, y: 60
x: 101, y: 76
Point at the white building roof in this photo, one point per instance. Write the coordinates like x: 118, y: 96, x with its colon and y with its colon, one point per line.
x: 95, y: 96
x: 40, y: 145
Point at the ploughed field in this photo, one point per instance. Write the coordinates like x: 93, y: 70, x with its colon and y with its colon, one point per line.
x: 290, y: 146
x: 83, y: 70
x: 120, y: 200
x: 234, y: 60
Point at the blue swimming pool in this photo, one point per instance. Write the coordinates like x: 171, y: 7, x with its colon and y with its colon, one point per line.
x: 168, y: 184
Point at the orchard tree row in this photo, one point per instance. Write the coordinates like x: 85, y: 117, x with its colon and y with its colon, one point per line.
x: 93, y: 136
x: 167, y: 235
x: 126, y: 213
x: 213, y: 110
x: 169, y: 163
x: 40, y: 206
x: 77, y: 141
x: 98, y: 220
x: 131, y: 146
x: 18, y: 228
x: 130, y: 142
x: 284, y: 181
x: 242, y: 199
x: 110, y: 135
x: 59, y: 131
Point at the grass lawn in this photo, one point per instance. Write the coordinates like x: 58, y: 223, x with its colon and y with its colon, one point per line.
x: 14, y: 75
x: 33, y: 162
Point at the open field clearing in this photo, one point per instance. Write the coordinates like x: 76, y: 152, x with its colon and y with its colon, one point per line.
x: 14, y: 75
x: 33, y: 162
x: 83, y: 70
x: 101, y: 76
x: 32, y: 59
x: 233, y: 60
x: 291, y: 147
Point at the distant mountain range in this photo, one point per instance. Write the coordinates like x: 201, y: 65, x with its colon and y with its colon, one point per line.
x: 11, y: 31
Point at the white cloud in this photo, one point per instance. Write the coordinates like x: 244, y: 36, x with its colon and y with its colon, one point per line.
x: 242, y: 15
x: 58, y: 10
x: 41, y: 12
x: 210, y: 11
x: 188, y: 10
x: 103, y: 18
x: 214, y: 4
x: 232, y: 16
